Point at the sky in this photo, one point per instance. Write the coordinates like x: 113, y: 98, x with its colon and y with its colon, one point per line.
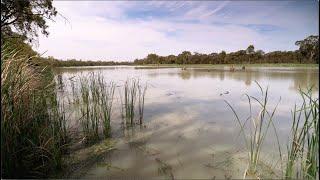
x: 127, y: 30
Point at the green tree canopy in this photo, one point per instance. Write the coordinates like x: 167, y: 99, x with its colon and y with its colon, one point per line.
x: 309, y: 47
x: 250, y: 49
x: 26, y: 17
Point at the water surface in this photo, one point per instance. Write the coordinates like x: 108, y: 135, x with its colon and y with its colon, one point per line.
x: 189, y: 131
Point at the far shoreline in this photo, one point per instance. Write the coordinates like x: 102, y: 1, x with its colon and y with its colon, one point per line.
x: 206, y: 65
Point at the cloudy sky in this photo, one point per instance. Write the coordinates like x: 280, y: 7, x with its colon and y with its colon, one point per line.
x: 126, y: 30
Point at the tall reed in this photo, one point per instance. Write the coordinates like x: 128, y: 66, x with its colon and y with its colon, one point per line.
x: 33, y: 133
x: 130, y: 92
x: 258, y: 128
x: 141, y: 96
x: 107, y: 94
x: 133, y: 89
x: 88, y: 109
x: 303, y: 147
x: 96, y: 105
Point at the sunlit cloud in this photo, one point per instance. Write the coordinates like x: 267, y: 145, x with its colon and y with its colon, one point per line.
x: 124, y: 31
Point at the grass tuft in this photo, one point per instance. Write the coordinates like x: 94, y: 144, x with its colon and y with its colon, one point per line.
x: 33, y: 126
x: 255, y: 128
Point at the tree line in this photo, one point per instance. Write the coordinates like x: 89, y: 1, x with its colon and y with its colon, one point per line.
x: 307, y: 53
x: 73, y: 62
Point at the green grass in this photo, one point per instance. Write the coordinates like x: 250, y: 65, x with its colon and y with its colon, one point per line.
x: 96, y: 99
x: 33, y: 127
x: 106, y: 101
x: 303, y: 146
x: 132, y: 90
x: 141, y: 96
x: 302, y: 149
x: 255, y: 128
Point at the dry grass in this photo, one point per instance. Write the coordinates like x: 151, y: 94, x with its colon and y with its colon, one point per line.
x: 32, y: 127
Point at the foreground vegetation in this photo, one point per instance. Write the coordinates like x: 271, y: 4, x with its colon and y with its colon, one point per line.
x: 92, y: 101
x: 303, y: 147
x: 33, y: 126
x: 34, y: 132
x: 302, y: 158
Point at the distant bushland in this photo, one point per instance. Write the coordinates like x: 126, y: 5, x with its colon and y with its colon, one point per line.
x: 306, y: 54
x: 73, y: 62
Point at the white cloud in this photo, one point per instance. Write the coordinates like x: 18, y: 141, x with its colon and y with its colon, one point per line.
x: 101, y: 30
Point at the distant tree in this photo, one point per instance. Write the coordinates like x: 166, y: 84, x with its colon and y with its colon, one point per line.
x: 171, y: 59
x: 250, y: 49
x: 25, y: 17
x: 222, y: 57
x: 153, y: 58
x: 309, y: 48
x: 183, y: 57
x: 260, y: 52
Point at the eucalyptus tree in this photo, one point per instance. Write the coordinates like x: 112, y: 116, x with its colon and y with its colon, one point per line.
x: 250, y: 50
x: 25, y: 18
x: 309, y: 48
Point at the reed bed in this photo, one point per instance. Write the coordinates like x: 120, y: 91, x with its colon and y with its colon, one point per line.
x: 303, y: 145
x: 33, y: 129
x: 130, y: 92
x: 95, y: 102
x: 107, y: 94
x: 256, y: 127
x: 142, y: 90
x: 133, y: 90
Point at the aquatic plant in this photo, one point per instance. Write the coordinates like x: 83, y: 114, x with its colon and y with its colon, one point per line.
x: 33, y: 127
x: 141, y: 96
x: 133, y: 89
x: 89, y: 111
x: 85, y: 109
x: 95, y: 106
x: 258, y: 128
x: 130, y: 93
x: 302, y: 150
x: 164, y: 168
x: 107, y: 93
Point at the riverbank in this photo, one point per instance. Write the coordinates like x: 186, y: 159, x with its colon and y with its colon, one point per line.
x: 236, y: 65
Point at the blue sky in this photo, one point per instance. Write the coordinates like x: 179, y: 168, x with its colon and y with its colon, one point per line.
x: 125, y: 30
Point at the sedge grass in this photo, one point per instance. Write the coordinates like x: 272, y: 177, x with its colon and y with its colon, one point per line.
x: 132, y: 90
x: 302, y: 150
x: 141, y: 96
x: 107, y: 93
x: 33, y: 132
x: 257, y: 129
x: 95, y: 106
x: 130, y: 93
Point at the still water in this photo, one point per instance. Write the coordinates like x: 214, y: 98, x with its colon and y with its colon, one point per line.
x: 189, y: 131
